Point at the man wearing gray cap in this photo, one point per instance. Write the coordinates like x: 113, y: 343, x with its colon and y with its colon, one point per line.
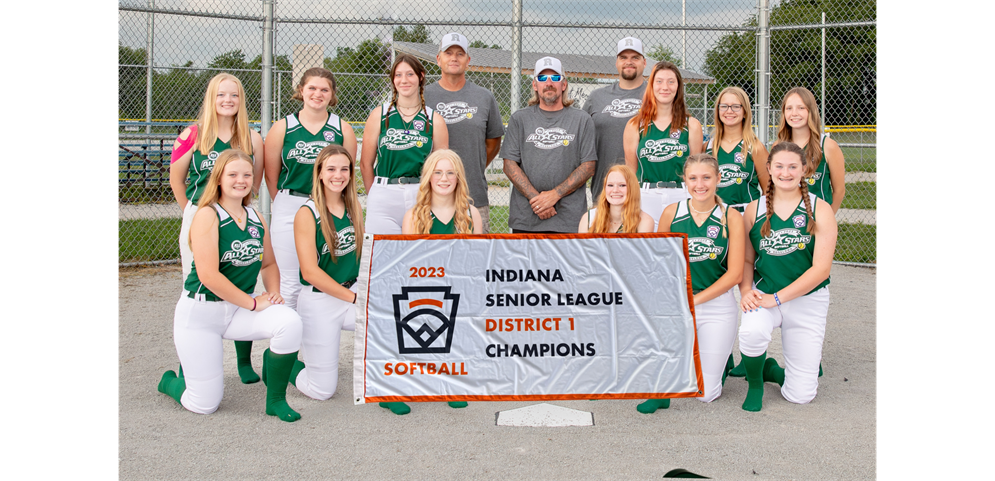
x: 612, y: 106
x: 472, y: 117
x: 548, y: 154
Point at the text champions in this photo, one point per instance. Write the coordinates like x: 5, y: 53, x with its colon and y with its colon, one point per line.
x: 542, y: 298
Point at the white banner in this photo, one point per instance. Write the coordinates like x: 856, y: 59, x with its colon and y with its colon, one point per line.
x: 525, y: 317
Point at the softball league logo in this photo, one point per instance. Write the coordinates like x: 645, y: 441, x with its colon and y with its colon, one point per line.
x: 306, y: 152
x: 662, y: 150
x: 426, y: 319
x: 208, y: 163
x: 731, y: 174
x: 329, y: 136
x: 398, y: 139
x: 702, y: 248
x: 547, y: 139
x: 621, y: 108
x: 784, y: 241
x: 455, y: 112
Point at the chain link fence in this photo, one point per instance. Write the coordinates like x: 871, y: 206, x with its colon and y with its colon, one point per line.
x: 169, y: 50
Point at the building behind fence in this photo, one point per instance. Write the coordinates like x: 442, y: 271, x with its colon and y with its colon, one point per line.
x: 168, y: 50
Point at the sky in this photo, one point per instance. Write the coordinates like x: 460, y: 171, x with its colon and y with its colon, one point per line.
x: 199, y: 39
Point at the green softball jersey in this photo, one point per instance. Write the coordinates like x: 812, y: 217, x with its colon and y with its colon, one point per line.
x: 708, y: 244
x: 784, y: 255
x: 403, y: 146
x: 739, y: 183
x: 662, y: 154
x: 240, y: 253
x: 438, y: 227
x: 819, y: 183
x: 200, y: 169
x: 300, y: 149
x: 345, y: 266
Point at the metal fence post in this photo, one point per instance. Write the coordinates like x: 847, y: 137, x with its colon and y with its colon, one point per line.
x: 516, y: 54
x: 824, y: 70
x: 763, y: 70
x: 149, y: 44
x: 265, y: 111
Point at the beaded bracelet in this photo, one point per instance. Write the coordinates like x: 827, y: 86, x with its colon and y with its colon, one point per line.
x: 778, y: 301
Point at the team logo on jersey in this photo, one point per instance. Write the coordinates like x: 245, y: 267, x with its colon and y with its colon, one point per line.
x: 253, y: 231
x: 739, y: 158
x: 243, y: 253
x: 426, y: 319
x: 306, y: 152
x: 784, y: 241
x: 712, y: 231
x: 399, y: 139
x: 208, y: 163
x: 675, y: 134
x: 623, y: 108
x: 346, y: 241
x: 703, y: 248
x: 329, y: 136
x: 799, y: 220
x: 731, y: 175
x: 550, y: 138
x: 662, y: 150
x: 815, y: 178
x: 455, y: 112
x: 419, y: 124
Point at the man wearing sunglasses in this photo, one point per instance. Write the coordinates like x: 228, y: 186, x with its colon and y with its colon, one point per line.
x: 549, y: 153
x: 613, y: 105
x: 472, y: 117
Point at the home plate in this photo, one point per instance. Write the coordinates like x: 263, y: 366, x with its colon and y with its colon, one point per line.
x: 545, y: 415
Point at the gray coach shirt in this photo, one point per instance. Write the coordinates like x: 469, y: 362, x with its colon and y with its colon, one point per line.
x: 548, y: 146
x: 472, y: 116
x: 611, y: 108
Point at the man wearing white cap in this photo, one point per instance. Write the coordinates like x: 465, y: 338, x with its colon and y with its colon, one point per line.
x: 548, y: 154
x: 613, y: 105
x: 472, y: 117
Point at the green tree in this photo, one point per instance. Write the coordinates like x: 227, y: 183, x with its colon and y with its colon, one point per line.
x: 659, y: 53
x: 417, y: 34
x: 358, y: 90
x: 796, y: 58
x: 131, y: 82
x: 481, y: 44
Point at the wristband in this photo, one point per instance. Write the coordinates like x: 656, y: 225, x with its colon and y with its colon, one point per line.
x: 355, y: 297
x: 253, y: 303
x: 778, y: 301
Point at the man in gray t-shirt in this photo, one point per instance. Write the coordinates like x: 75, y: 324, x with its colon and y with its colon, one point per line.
x: 472, y: 117
x: 612, y: 106
x: 548, y: 154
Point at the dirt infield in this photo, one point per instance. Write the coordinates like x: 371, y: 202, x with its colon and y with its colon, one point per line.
x: 831, y: 438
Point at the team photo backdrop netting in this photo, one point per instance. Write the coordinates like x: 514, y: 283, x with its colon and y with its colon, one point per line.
x: 169, y: 50
x: 524, y: 318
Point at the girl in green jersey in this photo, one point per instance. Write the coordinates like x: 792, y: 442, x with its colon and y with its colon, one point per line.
x: 222, y: 124
x: 825, y: 167
x: 231, y: 248
x: 328, y: 232
x: 716, y: 240
x: 792, y: 239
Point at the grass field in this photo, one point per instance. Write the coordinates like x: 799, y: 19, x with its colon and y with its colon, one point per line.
x: 142, y: 240
x: 856, y: 243
x: 860, y: 195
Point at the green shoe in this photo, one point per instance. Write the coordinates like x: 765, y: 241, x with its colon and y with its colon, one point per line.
x: 457, y: 404
x: 397, y: 408
x: 298, y: 367
x: 276, y: 368
x: 755, y: 377
x: 729, y: 366
x: 739, y: 370
x: 773, y: 372
x: 243, y: 353
x: 172, y: 386
x: 651, y: 405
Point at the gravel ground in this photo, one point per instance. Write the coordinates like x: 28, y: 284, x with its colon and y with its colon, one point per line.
x: 831, y: 438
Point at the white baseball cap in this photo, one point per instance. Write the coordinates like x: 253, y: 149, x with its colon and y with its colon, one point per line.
x: 630, y: 43
x: 453, y: 38
x: 548, y: 63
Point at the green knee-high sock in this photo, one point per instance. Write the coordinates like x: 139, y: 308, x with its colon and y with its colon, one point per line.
x: 298, y: 367
x: 729, y: 365
x: 773, y: 372
x: 172, y: 386
x: 458, y: 404
x: 180, y: 372
x: 277, y: 368
x: 755, y: 377
x: 820, y: 368
x: 397, y: 408
x: 738, y: 370
x: 243, y: 353
x: 650, y: 406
